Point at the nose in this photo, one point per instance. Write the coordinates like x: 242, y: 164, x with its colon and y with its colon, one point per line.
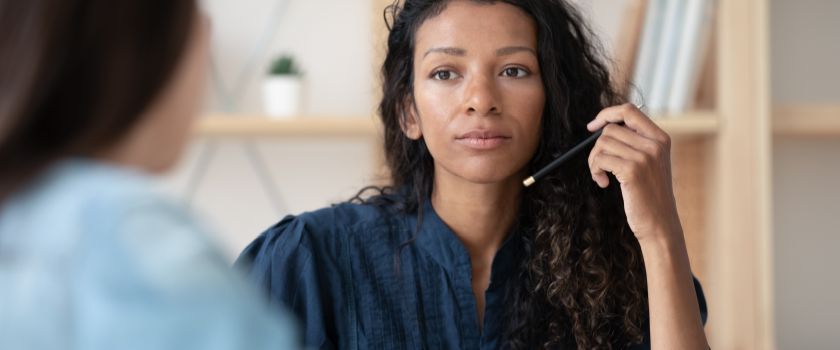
x: 480, y: 98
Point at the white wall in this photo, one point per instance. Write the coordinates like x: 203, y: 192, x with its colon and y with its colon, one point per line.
x: 303, y: 174
x: 606, y: 18
x: 332, y: 41
x: 806, y: 68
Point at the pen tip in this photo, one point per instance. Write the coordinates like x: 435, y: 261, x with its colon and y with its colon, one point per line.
x: 529, y: 181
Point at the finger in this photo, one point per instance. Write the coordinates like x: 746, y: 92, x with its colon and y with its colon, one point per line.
x: 633, y: 139
x: 615, y: 147
x: 610, y: 146
x: 599, y: 175
x: 632, y: 117
x: 604, y: 163
x: 615, y: 114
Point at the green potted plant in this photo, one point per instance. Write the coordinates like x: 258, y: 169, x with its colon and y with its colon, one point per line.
x: 282, y: 87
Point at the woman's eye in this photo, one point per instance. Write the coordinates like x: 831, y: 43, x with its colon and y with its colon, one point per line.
x: 514, y: 72
x: 444, y: 75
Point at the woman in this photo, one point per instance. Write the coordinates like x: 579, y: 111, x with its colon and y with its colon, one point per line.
x: 95, y: 97
x: 457, y: 254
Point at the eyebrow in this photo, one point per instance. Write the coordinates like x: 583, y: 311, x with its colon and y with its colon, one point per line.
x: 514, y: 49
x: 455, y: 51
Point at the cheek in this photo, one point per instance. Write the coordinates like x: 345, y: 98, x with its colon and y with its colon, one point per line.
x: 436, y: 107
x: 184, y: 100
x: 536, y: 113
x: 529, y: 103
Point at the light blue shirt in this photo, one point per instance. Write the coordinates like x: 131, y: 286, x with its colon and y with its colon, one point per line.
x: 92, y: 258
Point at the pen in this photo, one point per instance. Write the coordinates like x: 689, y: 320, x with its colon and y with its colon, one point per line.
x: 563, y: 158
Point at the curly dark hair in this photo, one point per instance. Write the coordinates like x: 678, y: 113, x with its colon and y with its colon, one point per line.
x: 582, y: 281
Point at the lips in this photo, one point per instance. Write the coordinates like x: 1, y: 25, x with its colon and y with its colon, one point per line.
x: 483, y: 139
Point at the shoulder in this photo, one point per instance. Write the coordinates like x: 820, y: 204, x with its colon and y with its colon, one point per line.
x: 341, y: 220
x: 114, y: 224
x: 88, y: 202
x: 126, y: 208
x: 325, y: 230
x: 126, y: 227
x: 306, y: 262
x: 79, y: 187
x: 326, y: 237
x: 107, y: 234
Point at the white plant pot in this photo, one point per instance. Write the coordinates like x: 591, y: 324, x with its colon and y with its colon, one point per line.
x: 281, y: 96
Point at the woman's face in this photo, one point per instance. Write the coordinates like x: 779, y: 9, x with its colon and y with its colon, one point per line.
x: 478, y: 93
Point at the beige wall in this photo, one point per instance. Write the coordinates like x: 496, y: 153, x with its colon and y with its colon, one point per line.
x: 806, y: 68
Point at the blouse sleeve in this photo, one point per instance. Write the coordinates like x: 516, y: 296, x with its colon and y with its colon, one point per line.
x: 281, y: 261
x: 151, y: 279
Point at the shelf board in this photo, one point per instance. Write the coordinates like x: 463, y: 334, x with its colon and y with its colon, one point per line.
x: 693, y: 123
x: 681, y: 125
x: 303, y: 126
x: 807, y: 120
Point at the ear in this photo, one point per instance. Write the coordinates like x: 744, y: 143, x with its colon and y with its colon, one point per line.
x: 411, y: 123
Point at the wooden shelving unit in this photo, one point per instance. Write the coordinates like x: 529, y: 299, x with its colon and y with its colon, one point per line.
x: 303, y: 126
x: 788, y: 120
x: 689, y: 124
x: 739, y: 235
x: 683, y: 125
x: 807, y: 120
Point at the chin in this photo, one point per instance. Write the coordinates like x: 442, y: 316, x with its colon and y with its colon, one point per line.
x: 489, y: 174
x: 163, y: 165
x: 492, y: 180
x: 486, y: 168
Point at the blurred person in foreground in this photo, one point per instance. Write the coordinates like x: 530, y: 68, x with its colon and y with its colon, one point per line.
x: 95, y: 97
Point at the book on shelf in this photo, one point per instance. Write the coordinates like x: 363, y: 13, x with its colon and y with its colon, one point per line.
x: 694, y: 45
x: 674, y: 47
x: 646, y: 55
x: 666, y: 55
x: 629, y: 38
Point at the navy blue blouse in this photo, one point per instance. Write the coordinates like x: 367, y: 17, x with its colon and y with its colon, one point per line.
x: 338, y: 269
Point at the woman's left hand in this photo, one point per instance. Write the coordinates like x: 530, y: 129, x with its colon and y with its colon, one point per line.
x: 638, y: 154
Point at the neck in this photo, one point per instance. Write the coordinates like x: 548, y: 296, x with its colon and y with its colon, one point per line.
x: 152, y: 146
x: 130, y: 153
x: 481, y: 215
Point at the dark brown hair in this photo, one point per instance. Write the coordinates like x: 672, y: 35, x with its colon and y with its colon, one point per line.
x: 78, y: 74
x: 582, y: 279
